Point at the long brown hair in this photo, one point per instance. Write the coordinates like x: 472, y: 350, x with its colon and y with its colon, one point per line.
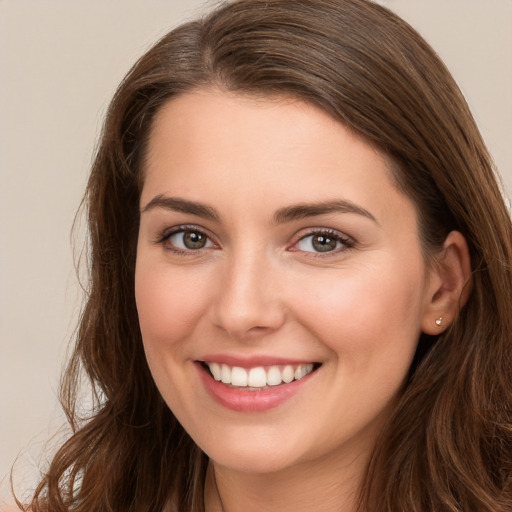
x: 448, y: 445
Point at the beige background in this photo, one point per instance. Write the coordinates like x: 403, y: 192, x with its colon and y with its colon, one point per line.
x: 59, y: 64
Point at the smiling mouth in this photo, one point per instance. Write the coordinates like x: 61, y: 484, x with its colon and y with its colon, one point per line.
x: 259, y: 377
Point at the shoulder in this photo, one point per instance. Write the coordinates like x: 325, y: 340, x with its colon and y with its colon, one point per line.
x: 14, y: 508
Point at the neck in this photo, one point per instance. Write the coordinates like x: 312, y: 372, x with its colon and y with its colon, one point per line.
x: 323, y: 485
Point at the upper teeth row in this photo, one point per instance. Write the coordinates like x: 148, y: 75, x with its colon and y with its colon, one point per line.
x: 258, y: 377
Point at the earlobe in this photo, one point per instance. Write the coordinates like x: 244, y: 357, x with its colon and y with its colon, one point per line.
x: 449, y: 285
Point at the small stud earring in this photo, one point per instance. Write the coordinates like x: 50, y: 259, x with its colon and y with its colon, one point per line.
x: 439, y: 321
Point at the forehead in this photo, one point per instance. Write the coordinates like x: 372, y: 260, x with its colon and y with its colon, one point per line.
x: 207, y: 118
x: 212, y: 144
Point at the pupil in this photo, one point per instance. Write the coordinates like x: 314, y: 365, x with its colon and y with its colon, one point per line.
x: 323, y: 243
x: 194, y: 240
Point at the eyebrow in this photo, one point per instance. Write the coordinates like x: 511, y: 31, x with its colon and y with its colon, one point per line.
x: 281, y: 216
x: 305, y: 210
x: 178, y: 204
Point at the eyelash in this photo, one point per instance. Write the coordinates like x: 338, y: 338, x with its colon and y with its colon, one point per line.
x: 164, y: 238
x: 346, y: 242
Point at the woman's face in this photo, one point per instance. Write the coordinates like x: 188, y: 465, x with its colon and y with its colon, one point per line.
x: 276, y: 255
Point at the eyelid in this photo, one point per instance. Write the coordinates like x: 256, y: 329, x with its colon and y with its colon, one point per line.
x: 167, y: 233
x: 347, y: 241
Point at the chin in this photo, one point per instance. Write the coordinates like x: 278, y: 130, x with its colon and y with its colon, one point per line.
x: 255, y: 463
x: 249, y: 456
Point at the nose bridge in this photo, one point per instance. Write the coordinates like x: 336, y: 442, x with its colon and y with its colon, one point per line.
x: 248, y: 301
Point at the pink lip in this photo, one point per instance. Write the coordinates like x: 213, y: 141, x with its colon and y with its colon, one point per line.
x: 252, y: 361
x: 250, y: 401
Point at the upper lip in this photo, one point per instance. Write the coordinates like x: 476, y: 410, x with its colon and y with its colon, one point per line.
x: 252, y: 361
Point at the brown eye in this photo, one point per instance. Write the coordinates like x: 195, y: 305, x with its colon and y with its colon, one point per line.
x: 189, y: 240
x: 323, y: 243
x: 194, y: 240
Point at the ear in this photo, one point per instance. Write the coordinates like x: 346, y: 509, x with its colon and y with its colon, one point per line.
x: 449, y: 284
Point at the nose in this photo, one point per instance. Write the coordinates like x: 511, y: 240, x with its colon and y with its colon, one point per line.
x: 248, y: 304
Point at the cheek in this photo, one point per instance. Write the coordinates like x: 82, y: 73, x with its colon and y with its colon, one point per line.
x: 169, y: 304
x: 366, y: 316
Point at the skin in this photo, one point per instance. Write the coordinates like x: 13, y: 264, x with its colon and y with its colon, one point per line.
x: 259, y: 288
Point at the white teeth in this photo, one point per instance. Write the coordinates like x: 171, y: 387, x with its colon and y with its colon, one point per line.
x: 258, y: 377
x: 274, y: 376
x: 239, y: 377
x: 288, y: 374
x: 300, y: 372
x: 216, y: 372
x: 225, y: 374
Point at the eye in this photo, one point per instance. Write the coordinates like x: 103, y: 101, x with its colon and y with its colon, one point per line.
x: 323, y: 242
x: 188, y: 240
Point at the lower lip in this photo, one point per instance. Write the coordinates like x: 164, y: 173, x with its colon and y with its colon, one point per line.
x: 250, y: 401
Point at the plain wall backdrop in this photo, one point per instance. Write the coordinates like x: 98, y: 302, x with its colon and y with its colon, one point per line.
x: 60, y: 62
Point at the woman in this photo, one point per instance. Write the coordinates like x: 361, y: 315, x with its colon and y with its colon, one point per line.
x: 300, y: 278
